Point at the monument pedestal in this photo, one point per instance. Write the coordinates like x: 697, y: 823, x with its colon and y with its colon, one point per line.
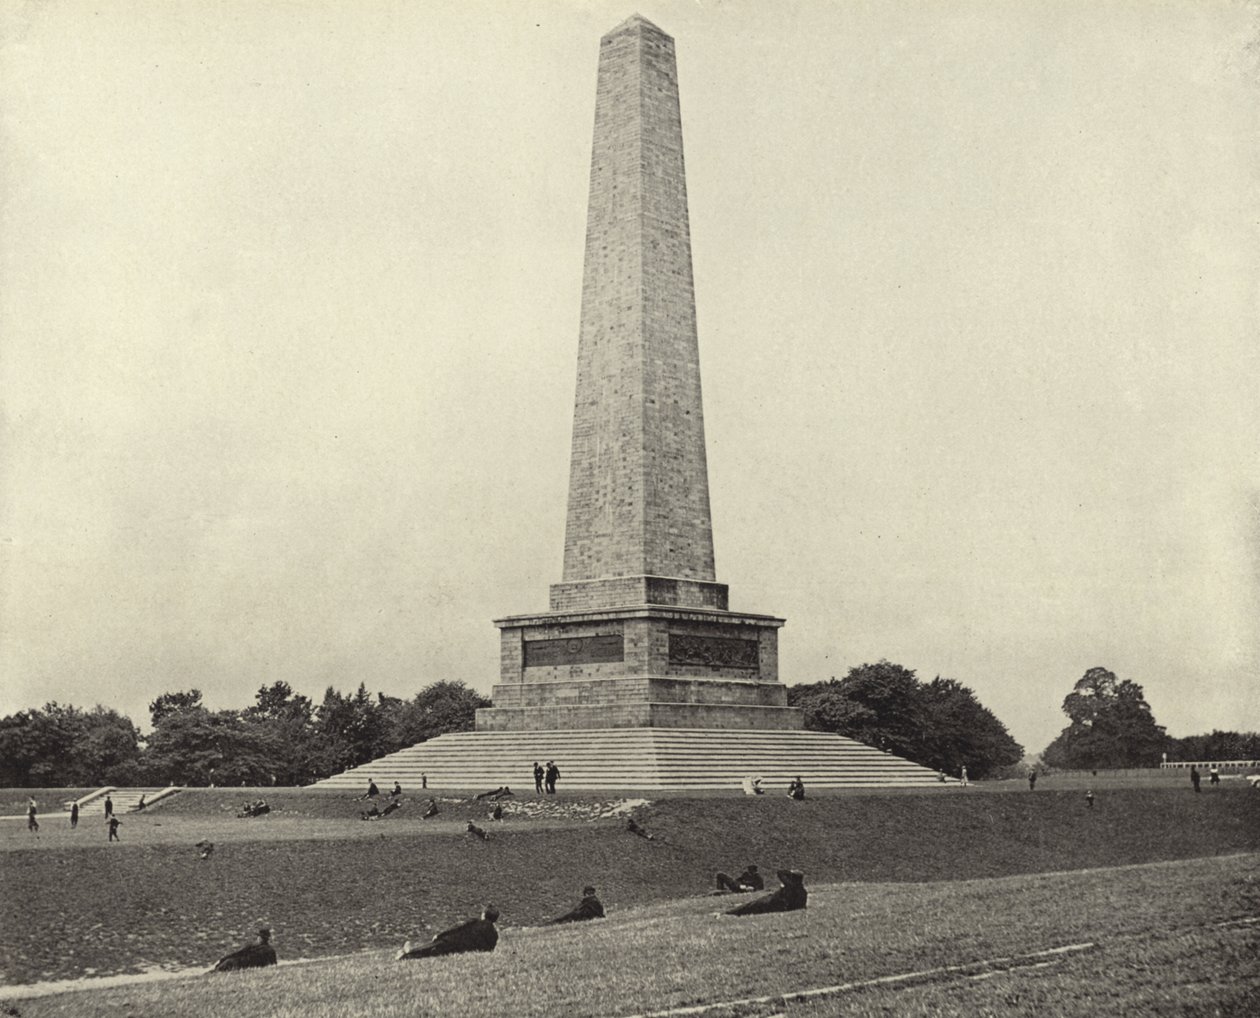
x: 638, y: 666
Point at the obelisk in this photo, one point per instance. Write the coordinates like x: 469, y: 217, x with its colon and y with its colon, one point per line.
x: 638, y: 633
x: 639, y: 676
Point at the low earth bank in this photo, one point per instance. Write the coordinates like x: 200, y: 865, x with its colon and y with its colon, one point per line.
x: 334, y: 884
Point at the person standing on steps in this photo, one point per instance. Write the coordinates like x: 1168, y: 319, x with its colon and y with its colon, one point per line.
x: 109, y: 807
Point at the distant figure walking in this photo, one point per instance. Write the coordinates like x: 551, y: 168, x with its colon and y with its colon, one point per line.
x: 788, y: 898
x: 1089, y: 798
x: 588, y: 908
x: 1214, y: 775
x: 474, y: 935
x: 251, y: 956
x: 109, y: 807
x: 32, y: 824
x: 538, y: 777
x: 552, y: 775
x: 796, y: 790
x: 1194, y: 777
x: 963, y: 775
x: 1032, y: 780
x: 114, y: 823
x: 74, y: 815
x: 749, y: 880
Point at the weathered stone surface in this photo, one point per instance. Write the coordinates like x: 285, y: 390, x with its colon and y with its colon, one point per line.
x: 639, y: 631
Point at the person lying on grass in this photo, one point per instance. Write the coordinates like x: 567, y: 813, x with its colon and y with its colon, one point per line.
x: 474, y: 935
x: 788, y: 898
x: 749, y: 880
x: 251, y: 956
x: 588, y: 908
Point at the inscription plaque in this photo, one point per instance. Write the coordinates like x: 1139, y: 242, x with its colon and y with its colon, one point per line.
x: 578, y: 650
x: 713, y: 651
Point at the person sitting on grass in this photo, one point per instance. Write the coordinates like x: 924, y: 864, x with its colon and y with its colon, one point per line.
x: 477, y: 831
x: 251, y: 956
x: 431, y: 810
x: 474, y: 935
x: 749, y: 880
x: 796, y: 790
x: 788, y: 898
x: 588, y: 908
x: 497, y: 813
x: 397, y: 790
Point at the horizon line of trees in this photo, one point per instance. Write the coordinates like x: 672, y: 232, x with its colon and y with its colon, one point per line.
x: 284, y: 738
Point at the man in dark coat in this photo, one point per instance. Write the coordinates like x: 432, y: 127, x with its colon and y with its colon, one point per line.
x: 588, y: 908
x: 74, y: 814
x: 749, y: 880
x: 431, y: 810
x: 109, y: 807
x: 551, y: 775
x: 1194, y: 777
x: 251, y: 956
x: 113, y: 822
x: 796, y: 789
x: 788, y: 898
x: 538, y: 777
x: 474, y: 935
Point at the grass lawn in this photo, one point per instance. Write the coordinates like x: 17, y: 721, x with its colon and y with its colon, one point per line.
x: 73, y: 905
x: 1139, y: 920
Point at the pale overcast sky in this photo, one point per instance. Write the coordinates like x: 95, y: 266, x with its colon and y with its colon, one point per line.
x: 289, y: 306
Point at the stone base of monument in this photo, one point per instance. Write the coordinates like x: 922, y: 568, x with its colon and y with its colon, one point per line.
x: 645, y: 759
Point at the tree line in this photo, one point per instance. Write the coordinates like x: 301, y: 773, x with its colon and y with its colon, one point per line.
x: 283, y: 738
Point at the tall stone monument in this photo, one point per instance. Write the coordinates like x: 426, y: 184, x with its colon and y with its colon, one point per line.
x: 639, y: 633
x: 639, y: 675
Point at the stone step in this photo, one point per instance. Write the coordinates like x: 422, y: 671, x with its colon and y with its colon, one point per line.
x: 637, y: 758
x: 125, y: 800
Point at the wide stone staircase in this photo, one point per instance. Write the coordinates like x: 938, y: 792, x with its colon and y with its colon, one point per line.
x: 125, y: 800
x: 638, y: 759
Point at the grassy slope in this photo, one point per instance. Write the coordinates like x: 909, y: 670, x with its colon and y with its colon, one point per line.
x: 679, y: 953
x: 333, y: 885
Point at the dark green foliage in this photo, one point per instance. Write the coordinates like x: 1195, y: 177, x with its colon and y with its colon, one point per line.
x: 1216, y: 746
x: 282, y: 739
x: 60, y: 745
x: 940, y: 725
x: 1112, y: 726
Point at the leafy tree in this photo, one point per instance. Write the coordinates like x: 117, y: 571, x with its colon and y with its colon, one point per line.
x: 57, y: 746
x: 446, y: 706
x: 195, y: 746
x: 168, y: 703
x: 1111, y: 726
x: 940, y: 725
x: 962, y: 731
x: 1217, y: 745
